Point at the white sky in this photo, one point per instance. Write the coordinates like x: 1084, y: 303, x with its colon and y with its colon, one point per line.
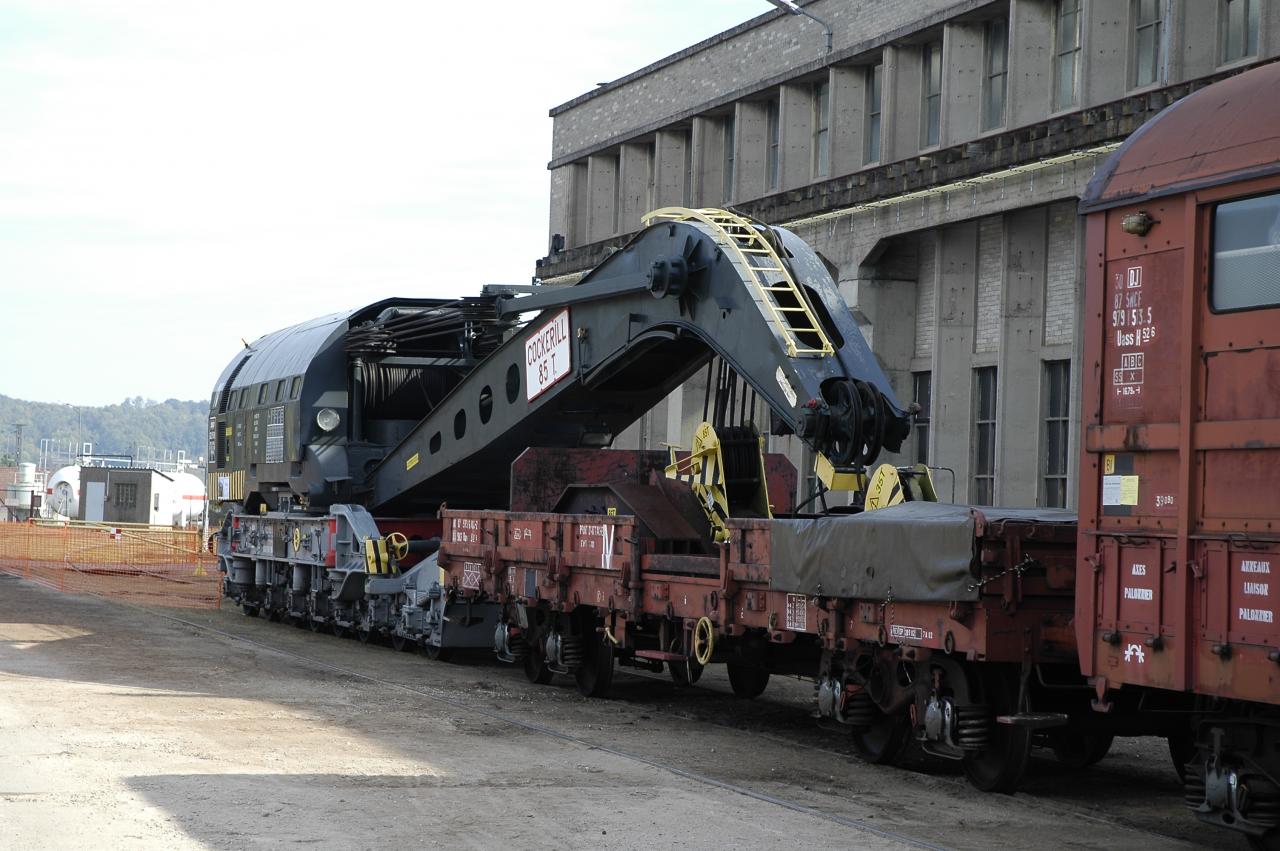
x: 175, y: 176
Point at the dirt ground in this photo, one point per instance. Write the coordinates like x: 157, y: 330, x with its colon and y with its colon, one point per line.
x: 129, y: 728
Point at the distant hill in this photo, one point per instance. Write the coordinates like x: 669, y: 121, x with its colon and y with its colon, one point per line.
x: 139, y: 427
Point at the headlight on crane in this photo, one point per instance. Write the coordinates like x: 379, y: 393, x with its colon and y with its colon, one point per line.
x: 328, y: 419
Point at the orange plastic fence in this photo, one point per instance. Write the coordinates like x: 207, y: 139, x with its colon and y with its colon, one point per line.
x: 160, y: 566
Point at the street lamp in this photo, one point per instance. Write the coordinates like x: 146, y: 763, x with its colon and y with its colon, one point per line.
x: 791, y: 7
x: 79, y: 428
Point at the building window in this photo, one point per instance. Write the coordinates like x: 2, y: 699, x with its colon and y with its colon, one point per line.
x: 280, y: 390
x: 922, y: 384
x: 1057, y: 414
x: 931, y: 125
x: 996, y: 74
x: 295, y: 387
x: 262, y: 394
x: 772, y: 120
x: 874, y: 95
x: 728, y: 144
x: 984, y: 435
x: 126, y: 495
x: 1146, y: 42
x: 821, y: 130
x: 1239, y: 29
x: 1066, y: 61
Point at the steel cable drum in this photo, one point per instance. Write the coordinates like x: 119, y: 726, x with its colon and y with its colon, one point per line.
x: 405, y: 392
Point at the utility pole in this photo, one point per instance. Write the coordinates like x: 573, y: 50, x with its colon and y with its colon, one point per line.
x: 17, y: 449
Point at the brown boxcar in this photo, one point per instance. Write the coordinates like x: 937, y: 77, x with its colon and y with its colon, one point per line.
x: 1179, y: 504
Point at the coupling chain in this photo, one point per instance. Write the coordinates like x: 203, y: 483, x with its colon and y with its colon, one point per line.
x: 1017, y: 570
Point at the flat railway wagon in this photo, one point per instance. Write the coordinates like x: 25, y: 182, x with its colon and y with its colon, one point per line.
x: 947, y: 624
x: 1179, y: 503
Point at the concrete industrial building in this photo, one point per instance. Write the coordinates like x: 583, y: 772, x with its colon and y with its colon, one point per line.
x: 934, y: 156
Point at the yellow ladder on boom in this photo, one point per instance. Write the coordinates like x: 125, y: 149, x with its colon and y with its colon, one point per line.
x: 779, y: 297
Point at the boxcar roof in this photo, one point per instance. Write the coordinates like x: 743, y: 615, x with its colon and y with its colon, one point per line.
x: 1224, y: 132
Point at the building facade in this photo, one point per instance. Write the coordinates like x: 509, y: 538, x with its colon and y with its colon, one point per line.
x: 934, y: 156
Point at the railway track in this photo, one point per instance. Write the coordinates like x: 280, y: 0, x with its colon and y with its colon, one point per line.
x: 787, y: 726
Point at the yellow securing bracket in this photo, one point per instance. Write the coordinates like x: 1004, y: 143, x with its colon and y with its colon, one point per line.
x: 704, y: 640
x: 837, y: 480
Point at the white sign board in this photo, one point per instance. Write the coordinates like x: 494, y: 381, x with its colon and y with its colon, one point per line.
x: 547, y: 355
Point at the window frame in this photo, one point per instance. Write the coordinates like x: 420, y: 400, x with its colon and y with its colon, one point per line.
x: 772, y: 144
x: 988, y: 477
x: 929, y: 99
x: 988, y: 75
x: 1157, y: 57
x: 820, y: 162
x: 1212, y: 273
x: 924, y: 419
x: 1252, y: 16
x: 122, y: 488
x: 1074, y: 52
x: 262, y: 392
x: 874, y: 129
x: 1050, y: 420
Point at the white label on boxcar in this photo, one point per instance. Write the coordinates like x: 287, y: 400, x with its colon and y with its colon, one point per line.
x: 546, y: 356
x: 1256, y: 615
x: 1253, y: 566
x: 471, y: 575
x: 1138, y: 594
x: 797, y: 613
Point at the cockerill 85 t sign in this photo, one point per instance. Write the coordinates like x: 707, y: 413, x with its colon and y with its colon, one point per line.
x: 546, y: 356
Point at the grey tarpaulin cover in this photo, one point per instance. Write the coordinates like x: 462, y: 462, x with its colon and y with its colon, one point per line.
x: 922, y: 551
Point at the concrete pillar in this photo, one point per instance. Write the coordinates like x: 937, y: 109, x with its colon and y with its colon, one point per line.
x: 848, y: 119
x: 671, y: 160
x: 903, y: 100
x: 602, y: 196
x: 708, y: 161
x: 1018, y: 417
x: 1193, y: 39
x: 956, y: 284
x: 1030, y: 61
x: 1106, y: 34
x: 962, y: 73
x: 637, y: 184
x: 561, y: 213
x: 576, y: 232
x: 795, y: 137
x: 888, y: 306
x: 752, y: 150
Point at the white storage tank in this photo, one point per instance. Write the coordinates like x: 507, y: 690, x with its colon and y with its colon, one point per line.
x: 62, y: 494
x: 189, y: 496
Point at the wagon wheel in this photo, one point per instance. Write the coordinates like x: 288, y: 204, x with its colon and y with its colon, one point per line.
x: 434, y: 652
x: 398, y: 642
x: 1000, y: 766
x: 274, y: 615
x: 686, y: 672
x: 1079, y: 749
x: 314, y: 624
x: 535, y: 662
x: 883, y: 741
x: 250, y: 611
x: 340, y: 631
x: 595, y: 674
x: 364, y: 636
x: 747, y: 680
